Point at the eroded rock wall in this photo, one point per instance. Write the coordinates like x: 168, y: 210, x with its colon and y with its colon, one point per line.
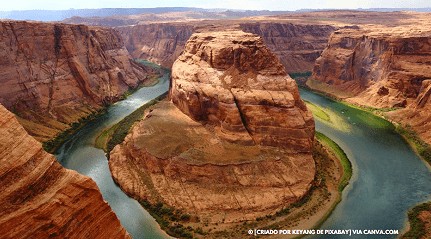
x: 296, y: 45
x: 230, y: 79
x: 40, y: 198
x: 54, y: 74
x: 381, y: 70
x: 387, y: 69
x: 161, y: 43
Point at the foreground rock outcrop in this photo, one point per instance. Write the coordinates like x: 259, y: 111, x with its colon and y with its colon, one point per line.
x: 41, y: 199
x: 382, y: 69
x: 234, y: 143
x: 55, y: 74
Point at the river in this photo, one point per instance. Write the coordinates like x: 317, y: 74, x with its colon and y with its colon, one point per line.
x: 388, y: 177
x: 78, y: 153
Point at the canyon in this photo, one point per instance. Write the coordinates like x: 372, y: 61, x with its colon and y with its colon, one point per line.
x: 296, y: 45
x: 234, y: 125
x: 385, y: 68
x: 40, y: 198
x: 54, y: 75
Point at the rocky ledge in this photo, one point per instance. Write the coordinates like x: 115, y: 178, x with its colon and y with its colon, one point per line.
x: 381, y: 68
x: 41, y: 199
x: 233, y: 144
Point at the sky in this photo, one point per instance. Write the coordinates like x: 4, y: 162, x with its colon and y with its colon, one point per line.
x: 227, y: 4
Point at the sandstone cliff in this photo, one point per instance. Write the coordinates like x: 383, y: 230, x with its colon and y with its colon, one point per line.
x: 235, y: 142
x: 387, y: 70
x: 41, y: 199
x: 380, y: 68
x: 296, y: 45
x: 231, y: 80
x: 161, y: 43
x: 54, y: 74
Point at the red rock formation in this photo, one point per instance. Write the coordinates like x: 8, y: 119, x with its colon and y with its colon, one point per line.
x: 41, y: 199
x: 231, y: 80
x: 235, y: 142
x: 380, y: 68
x: 297, y: 45
x: 161, y: 43
x: 417, y: 114
x: 54, y: 74
x: 386, y: 70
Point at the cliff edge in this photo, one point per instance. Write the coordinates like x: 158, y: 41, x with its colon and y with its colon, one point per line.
x: 381, y: 68
x: 41, y: 199
x: 55, y: 74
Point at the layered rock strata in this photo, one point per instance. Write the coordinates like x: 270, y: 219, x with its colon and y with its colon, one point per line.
x: 41, y: 199
x: 234, y: 143
x: 232, y: 81
x: 55, y: 74
x: 380, y: 68
x: 161, y: 43
x: 296, y: 45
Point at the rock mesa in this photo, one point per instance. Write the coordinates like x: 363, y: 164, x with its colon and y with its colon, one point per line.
x: 234, y: 143
x: 233, y: 81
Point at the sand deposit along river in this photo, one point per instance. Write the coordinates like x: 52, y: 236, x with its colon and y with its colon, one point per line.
x: 388, y: 177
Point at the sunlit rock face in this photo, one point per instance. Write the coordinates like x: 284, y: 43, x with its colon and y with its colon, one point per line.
x: 41, y: 199
x: 231, y: 80
x: 55, y: 74
x: 381, y: 68
x: 232, y: 143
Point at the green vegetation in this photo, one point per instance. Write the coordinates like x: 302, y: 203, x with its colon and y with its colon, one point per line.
x: 417, y: 226
x: 295, y: 75
x: 170, y: 219
x: 319, y: 188
x: 341, y: 155
x: 421, y: 148
x: 52, y: 145
x: 318, y: 112
x: 301, y: 77
x: 109, y: 138
x: 372, y: 116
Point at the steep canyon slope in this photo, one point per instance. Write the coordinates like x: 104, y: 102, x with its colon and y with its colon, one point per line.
x: 235, y: 126
x: 55, y: 74
x: 296, y: 45
x: 382, y: 68
x: 41, y: 199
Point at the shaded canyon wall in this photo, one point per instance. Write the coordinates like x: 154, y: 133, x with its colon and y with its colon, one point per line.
x: 297, y: 46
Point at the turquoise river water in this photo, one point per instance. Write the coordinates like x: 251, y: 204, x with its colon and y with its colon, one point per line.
x: 388, y: 177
